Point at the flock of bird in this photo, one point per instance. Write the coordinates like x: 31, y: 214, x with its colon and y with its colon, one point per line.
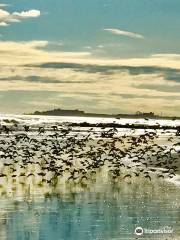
x: 62, y: 154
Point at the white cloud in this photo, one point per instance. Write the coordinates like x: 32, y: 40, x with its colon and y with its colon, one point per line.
x: 3, y: 24
x: 7, y: 17
x: 3, y: 14
x: 32, y: 52
x: 100, y: 46
x: 124, y: 33
x: 3, y: 5
x: 88, y: 47
x: 107, y: 90
x: 27, y: 14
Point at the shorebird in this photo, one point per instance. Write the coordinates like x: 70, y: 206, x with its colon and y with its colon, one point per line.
x: 58, y: 151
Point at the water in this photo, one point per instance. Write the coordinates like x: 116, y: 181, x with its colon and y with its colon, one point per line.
x: 107, y: 214
x: 35, y: 119
x: 101, y: 211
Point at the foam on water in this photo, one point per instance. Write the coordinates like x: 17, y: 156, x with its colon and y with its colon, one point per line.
x: 35, y: 119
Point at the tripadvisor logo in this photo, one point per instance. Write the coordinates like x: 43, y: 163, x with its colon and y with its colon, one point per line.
x: 165, y: 230
x: 139, y: 231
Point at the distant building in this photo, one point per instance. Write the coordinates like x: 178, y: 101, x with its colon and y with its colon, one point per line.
x: 144, y: 114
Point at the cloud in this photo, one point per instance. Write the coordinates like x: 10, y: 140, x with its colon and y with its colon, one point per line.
x: 31, y: 52
x: 6, y: 17
x: 3, y: 14
x: 159, y: 87
x: 39, y: 79
x: 3, y: 5
x: 27, y: 14
x: 100, y: 46
x: 34, y: 52
x: 143, y: 96
x: 170, y: 74
x: 3, y: 24
x: 124, y: 33
x: 86, y: 81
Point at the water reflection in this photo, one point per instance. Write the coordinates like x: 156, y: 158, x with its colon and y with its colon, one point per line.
x: 109, y: 213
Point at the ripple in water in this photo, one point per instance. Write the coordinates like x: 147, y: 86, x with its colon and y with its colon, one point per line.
x: 109, y: 213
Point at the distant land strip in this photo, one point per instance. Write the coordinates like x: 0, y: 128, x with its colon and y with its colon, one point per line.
x: 79, y: 113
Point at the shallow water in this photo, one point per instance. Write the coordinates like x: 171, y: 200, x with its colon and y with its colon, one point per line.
x: 101, y: 211
x: 110, y: 213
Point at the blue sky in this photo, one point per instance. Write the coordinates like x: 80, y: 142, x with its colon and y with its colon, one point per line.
x: 81, y: 23
x: 96, y: 32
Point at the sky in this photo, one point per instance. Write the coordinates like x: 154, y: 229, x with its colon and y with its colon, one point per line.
x: 102, y: 56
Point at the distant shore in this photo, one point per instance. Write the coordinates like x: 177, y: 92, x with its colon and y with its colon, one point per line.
x: 79, y: 113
